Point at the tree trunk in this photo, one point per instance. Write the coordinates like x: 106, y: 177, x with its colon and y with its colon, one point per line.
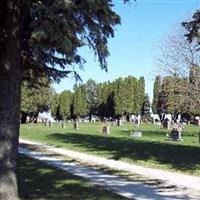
x: 10, y: 87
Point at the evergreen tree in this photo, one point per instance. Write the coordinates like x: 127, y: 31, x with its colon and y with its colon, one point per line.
x: 43, y: 37
x: 119, y: 98
x: 129, y: 95
x: 140, y: 93
x: 178, y: 95
x: 105, y: 102
x: 79, y: 102
x: 146, y: 108
x: 194, y: 89
x: 55, y: 104
x: 100, y: 100
x: 173, y: 95
x: 65, y: 100
x: 162, y: 96
x: 35, y: 99
x: 91, y: 95
x: 135, y: 100
x: 156, y: 92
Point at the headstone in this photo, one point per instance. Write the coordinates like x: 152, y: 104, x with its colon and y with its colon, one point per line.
x: 50, y: 124
x: 197, y: 122
x: 119, y: 122
x: 63, y: 125
x: 76, y: 125
x: 136, y: 134
x: 167, y: 124
x: 106, y: 129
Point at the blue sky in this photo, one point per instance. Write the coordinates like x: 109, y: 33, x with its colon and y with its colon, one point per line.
x: 133, y: 49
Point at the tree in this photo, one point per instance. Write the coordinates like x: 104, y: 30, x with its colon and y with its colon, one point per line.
x: 119, y: 98
x: 65, y: 101
x: 176, y: 94
x: 79, y: 103
x: 42, y: 37
x: 146, y: 108
x: 156, y: 92
x: 192, y: 35
x: 35, y: 99
x: 194, y: 89
x: 140, y: 93
x: 176, y: 59
x: 105, y: 99
x: 192, y: 29
x: 91, y: 95
x: 173, y: 95
x: 129, y: 94
x: 54, y: 103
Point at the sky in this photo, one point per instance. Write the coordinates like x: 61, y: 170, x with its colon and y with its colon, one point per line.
x: 133, y: 49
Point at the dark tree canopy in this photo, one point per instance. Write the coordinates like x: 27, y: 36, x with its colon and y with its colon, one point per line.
x: 193, y: 27
x: 52, y: 31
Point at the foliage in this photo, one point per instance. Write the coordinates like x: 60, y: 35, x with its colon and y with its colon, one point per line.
x: 119, y: 98
x: 36, y: 99
x: 194, y: 89
x: 91, y: 96
x: 54, y: 104
x: 156, y: 91
x: 129, y: 94
x: 177, y: 62
x: 53, y: 30
x: 146, y: 107
x: 140, y: 93
x: 65, y: 101
x: 79, y: 103
x: 172, y: 95
x: 192, y: 28
x: 105, y: 99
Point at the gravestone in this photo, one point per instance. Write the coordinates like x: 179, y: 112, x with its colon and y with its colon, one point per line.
x: 63, y: 125
x: 106, y: 129
x: 136, y: 134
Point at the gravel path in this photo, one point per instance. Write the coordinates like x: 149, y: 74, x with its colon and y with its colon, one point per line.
x: 187, y: 187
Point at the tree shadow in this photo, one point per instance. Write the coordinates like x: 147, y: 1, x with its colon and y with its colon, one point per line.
x: 37, y: 180
x: 40, y: 181
x: 178, y: 157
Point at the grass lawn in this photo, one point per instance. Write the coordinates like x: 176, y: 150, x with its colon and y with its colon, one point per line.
x: 37, y: 180
x: 150, y: 150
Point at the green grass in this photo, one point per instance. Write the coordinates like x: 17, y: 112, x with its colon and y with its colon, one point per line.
x: 37, y: 180
x: 150, y: 150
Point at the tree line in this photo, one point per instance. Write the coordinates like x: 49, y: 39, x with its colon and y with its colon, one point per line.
x: 174, y: 94
x: 121, y: 97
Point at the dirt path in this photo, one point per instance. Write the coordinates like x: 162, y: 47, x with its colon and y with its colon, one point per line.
x: 151, y: 184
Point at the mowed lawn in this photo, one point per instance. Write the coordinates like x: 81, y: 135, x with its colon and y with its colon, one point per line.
x: 152, y: 149
x: 37, y: 180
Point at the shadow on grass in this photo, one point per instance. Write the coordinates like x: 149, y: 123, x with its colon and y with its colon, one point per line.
x: 178, y: 157
x: 37, y: 180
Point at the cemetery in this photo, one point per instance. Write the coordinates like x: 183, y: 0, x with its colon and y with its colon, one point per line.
x: 78, y: 124
x: 125, y: 142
